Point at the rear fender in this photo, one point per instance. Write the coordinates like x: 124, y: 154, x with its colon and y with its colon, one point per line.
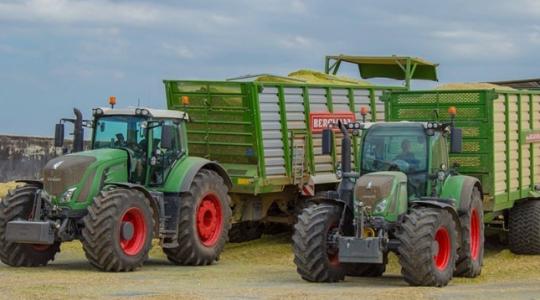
x: 182, y: 175
x: 459, y: 188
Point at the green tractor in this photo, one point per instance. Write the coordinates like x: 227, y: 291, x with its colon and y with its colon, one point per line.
x: 137, y: 183
x: 405, y: 199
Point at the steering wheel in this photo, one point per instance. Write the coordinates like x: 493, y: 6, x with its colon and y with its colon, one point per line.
x: 396, y: 165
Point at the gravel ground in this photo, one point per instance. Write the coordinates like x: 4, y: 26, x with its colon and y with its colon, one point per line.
x: 261, y: 269
x: 254, y: 270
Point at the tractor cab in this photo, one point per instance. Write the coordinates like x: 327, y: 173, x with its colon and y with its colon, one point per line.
x: 154, y: 139
x: 406, y: 147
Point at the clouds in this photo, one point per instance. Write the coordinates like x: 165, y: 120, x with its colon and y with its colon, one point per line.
x: 56, y: 54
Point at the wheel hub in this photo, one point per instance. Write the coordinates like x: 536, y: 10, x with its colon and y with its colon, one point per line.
x: 127, y: 231
x: 209, y: 220
x: 133, y: 231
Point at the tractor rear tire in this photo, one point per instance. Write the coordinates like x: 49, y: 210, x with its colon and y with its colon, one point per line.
x: 317, y: 260
x: 204, y: 221
x: 471, y: 252
x: 118, y: 230
x: 18, y: 204
x: 428, y: 247
x: 524, y: 228
x: 245, y: 231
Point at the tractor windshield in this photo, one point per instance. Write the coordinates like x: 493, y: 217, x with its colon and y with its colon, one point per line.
x: 397, y: 148
x: 119, y: 132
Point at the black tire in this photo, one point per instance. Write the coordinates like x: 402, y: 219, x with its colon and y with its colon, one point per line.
x: 194, y: 247
x: 421, y: 262
x: 245, y: 231
x: 316, y: 260
x: 366, y: 270
x: 471, y: 251
x: 102, y: 236
x: 18, y: 204
x: 524, y: 228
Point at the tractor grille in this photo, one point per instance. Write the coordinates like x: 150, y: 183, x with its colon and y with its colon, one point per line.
x: 63, y: 172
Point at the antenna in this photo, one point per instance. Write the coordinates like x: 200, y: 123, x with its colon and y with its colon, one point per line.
x: 138, y: 102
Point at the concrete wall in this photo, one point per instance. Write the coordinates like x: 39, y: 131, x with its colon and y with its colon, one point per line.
x: 24, y: 156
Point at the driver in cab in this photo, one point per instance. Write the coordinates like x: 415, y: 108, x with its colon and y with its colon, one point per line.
x: 406, y: 153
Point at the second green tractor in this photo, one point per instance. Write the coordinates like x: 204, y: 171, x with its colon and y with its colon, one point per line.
x: 405, y: 199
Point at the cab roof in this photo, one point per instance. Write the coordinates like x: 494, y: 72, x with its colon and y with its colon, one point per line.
x: 152, y: 112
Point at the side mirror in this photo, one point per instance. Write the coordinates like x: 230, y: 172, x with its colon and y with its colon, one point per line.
x: 59, y: 135
x: 327, y: 141
x: 167, y: 136
x: 456, y: 140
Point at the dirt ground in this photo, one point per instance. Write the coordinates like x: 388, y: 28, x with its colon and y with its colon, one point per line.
x: 255, y: 270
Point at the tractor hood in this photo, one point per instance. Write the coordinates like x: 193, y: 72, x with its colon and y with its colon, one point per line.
x: 78, y: 172
x: 382, y: 191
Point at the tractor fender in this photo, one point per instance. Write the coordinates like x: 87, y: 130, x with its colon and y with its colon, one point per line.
x: 460, y: 188
x: 37, y: 183
x: 204, y: 164
x: 443, y: 205
x: 330, y: 197
x: 154, y: 203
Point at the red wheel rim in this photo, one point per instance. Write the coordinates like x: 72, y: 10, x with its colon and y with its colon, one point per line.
x: 209, y: 220
x: 442, y: 257
x: 135, y: 243
x: 40, y: 247
x: 475, y: 234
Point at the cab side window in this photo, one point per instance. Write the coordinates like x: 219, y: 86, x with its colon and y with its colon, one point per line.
x: 163, y: 158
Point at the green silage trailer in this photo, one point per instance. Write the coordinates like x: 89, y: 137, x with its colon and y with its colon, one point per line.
x: 268, y: 137
x: 501, y: 147
x: 266, y: 130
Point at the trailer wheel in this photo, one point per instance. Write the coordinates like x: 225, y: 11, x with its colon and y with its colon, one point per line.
x: 428, y: 247
x: 315, y: 254
x: 18, y: 205
x: 245, y: 231
x: 471, y: 252
x: 204, y: 221
x: 118, y: 230
x: 524, y: 227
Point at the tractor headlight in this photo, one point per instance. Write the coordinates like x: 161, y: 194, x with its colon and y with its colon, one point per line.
x: 441, y: 175
x: 381, y: 206
x: 97, y: 111
x: 66, y: 197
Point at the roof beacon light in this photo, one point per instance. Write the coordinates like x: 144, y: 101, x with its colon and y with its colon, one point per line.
x: 363, y: 112
x: 112, y: 101
x: 185, y: 100
x: 452, y: 111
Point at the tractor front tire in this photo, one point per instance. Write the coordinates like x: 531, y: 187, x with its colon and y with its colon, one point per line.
x: 428, y: 247
x: 471, y: 252
x: 316, y: 259
x: 204, y: 221
x: 524, y: 228
x: 118, y: 230
x: 18, y: 204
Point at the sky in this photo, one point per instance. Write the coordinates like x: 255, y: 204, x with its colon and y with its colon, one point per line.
x: 58, y: 54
